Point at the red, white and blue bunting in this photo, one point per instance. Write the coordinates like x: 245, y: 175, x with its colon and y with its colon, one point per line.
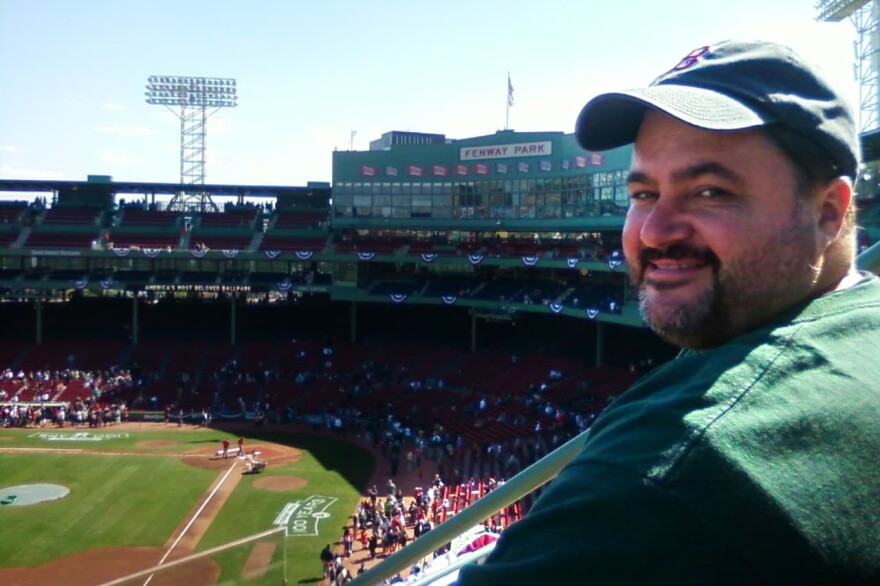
x: 572, y: 261
x: 449, y: 299
x: 397, y: 297
x: 530, y: 261
x: 284, y: 286
x: 230, y: 252
x: 555, y: 307
x: 81, y: 283
x: 152, y: 252
x: 475, y: 258
x: 429, y: 256
x: 272, y: 254
x: 592, y: 313
x: 615, y: 260
x: 198, y: 252
x: 366, y: 255
x: 304, y: 254
x: 121, y: 251
x: 107, y: 283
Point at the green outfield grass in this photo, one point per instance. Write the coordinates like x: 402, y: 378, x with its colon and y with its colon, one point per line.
x: 119, y: 500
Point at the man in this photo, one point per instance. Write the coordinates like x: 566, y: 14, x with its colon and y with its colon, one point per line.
x: 327, y: 558
x: 753, y: 457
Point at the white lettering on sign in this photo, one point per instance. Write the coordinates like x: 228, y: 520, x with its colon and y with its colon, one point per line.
x: 301, y: 517
x: 502, y: 151
x: 82, y: 436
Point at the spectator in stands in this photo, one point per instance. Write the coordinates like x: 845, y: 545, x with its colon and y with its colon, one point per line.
x: 327, y: 558
x: 754, y: 456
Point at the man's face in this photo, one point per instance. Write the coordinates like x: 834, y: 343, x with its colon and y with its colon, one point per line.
x: 717, y: 238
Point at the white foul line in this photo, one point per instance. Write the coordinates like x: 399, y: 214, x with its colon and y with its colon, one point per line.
x: 193, y: 519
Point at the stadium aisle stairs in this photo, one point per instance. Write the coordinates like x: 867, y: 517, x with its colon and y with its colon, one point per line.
x: 22, y: 237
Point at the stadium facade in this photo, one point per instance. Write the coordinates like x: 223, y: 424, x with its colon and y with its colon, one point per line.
x: 493, y: 227
x: 516, y: 180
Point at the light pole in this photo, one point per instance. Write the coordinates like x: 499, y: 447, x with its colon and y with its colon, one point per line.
x: 194, y: 96
x: 865, y: 16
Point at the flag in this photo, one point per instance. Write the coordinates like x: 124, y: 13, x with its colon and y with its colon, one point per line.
x: 415, y: 170
x: 481, y: 168
x: 522, y: 167
x: 501, y: 168
x: 439, y: 170
x: 461, y: 170
x: 546, y: 166
x: 368, y: 171
x: 391, y: 171
x: 509, y: 91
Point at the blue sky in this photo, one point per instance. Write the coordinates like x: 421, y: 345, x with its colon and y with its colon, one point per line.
x: 310, y: 73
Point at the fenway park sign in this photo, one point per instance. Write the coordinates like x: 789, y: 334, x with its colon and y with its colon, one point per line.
x: 503, y: 151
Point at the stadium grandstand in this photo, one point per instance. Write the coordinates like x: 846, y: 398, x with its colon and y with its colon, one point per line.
x: 472, y: 291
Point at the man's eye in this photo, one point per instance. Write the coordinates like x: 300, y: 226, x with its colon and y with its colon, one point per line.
x: 642, y: 195
x: 712, y: 193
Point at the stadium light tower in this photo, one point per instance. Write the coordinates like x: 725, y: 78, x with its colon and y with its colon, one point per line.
x: 864, y: 16
x: 198, y: 98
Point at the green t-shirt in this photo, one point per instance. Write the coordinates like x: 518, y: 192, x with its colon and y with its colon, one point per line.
x: 755, y: 462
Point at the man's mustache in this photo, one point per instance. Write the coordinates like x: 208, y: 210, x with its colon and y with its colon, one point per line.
x: 679, y: 251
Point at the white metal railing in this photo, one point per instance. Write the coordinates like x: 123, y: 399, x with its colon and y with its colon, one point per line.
x: 504, y: 495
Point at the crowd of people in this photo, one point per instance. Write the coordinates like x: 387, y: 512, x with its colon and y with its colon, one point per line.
x: 386, y: 520
x: 41, y: 398
x: 77, y: 413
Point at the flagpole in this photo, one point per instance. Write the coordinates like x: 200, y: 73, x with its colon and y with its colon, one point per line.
x: 507, y: 113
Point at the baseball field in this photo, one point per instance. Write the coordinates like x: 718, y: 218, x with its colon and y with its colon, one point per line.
x: 92, y: 506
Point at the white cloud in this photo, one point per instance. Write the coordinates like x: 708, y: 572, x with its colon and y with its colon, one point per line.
x: 126, y: 130
x: 118, y: 158
x: 219, y: 125
x: 221, y: 160
x: 113, y: 106
x: 166, y: 115
x: 328, y: 138
x: 8, y: 148
x: 16, y: 172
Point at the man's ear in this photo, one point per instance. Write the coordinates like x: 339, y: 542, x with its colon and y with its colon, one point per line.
x: 834, y: 208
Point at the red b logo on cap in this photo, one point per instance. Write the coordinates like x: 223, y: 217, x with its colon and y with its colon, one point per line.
x: 691, y: 58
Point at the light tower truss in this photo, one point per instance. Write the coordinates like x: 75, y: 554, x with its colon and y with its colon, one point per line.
x: 195, y: 100
x: 865, y: 16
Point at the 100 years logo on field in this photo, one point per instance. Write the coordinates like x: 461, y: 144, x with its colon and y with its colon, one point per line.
x: 80, y: 436
x: 301, y: 517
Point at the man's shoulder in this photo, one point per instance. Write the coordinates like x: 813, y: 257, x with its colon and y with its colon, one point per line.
x: 794, y: 368
x: 864, y: 295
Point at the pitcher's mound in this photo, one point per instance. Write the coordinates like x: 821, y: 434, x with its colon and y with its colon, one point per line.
x: 274, y: 454
x: 280, y: 483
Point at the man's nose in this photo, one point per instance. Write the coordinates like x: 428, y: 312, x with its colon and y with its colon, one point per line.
x: 665, y: 225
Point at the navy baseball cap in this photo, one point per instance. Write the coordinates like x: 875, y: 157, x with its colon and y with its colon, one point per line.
x: 732, y: 85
